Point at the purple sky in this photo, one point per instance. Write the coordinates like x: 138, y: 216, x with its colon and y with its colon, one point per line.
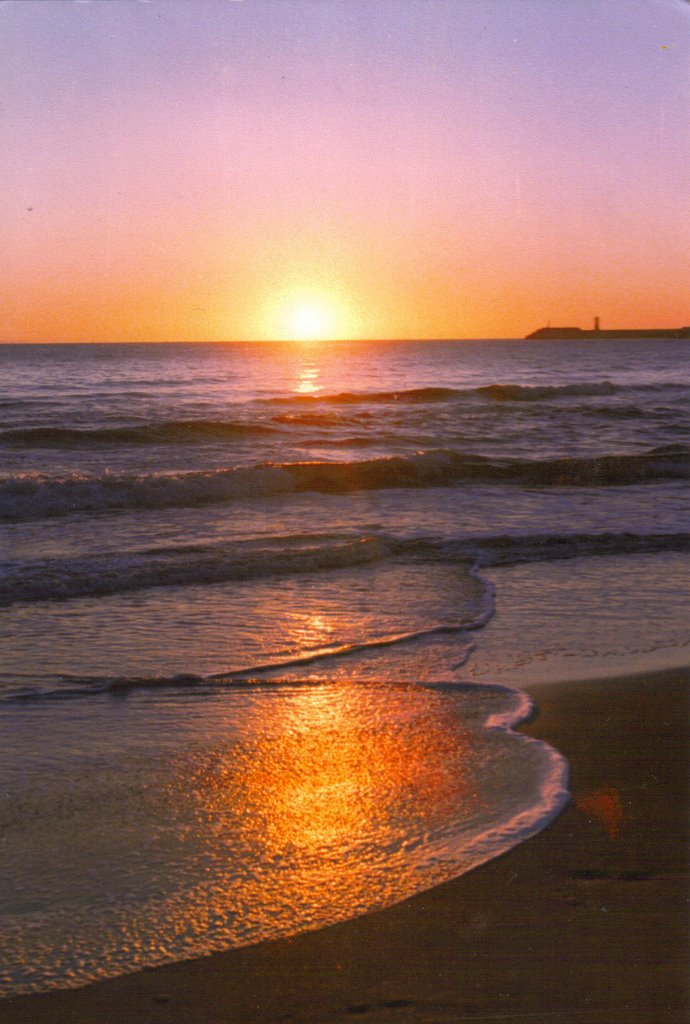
x: 413, y: 168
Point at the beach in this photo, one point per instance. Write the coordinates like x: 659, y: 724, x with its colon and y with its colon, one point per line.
x: 585, y: 922
x: 263, y: 609
x: 344, y: 505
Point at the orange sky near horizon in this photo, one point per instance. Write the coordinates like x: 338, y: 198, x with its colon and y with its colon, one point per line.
x: 447, y: 168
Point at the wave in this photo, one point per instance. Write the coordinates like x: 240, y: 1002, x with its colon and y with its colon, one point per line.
x: 255, y: 675
x: 106, y: 574
x: 62, y: 687
x: 629, y: 411
x: 328, y: 410
x: 509, y: 549
x: 100, y: 575
x: 429, y: 394
x: 493, y: 392
x: 14, y: 690
x: 32, y: 496
x: 168, y: 432
x: 322, y: 419
x: 537, y: 393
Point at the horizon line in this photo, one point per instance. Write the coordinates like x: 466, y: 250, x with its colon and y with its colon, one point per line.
x: 266, y: 341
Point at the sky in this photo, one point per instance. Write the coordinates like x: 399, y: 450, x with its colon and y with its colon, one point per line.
x: 259, y: 169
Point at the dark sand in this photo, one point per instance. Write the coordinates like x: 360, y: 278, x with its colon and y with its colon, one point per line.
x: 587, y: 923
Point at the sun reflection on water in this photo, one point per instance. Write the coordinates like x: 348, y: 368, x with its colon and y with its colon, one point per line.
x: 307, y: 632
x: 289, y: 808
x: 308, y: 379
x: 308, y: 814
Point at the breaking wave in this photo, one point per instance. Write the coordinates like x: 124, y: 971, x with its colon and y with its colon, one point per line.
x: 99, y: 575
x: 430, y: 394
x: 34, y: 496
x: 493, y: 392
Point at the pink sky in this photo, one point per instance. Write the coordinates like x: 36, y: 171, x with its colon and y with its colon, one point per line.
x: 417, y: 168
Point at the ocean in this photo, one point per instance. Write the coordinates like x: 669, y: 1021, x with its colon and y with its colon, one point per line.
x: 267, y: 610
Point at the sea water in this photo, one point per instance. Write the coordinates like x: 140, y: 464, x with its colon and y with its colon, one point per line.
x: 266, y: 612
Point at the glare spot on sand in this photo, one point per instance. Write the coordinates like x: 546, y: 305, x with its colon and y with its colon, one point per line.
x: 605, y: 805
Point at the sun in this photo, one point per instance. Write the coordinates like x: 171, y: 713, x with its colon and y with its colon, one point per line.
x: 310, y: 313
x: 309, y: 320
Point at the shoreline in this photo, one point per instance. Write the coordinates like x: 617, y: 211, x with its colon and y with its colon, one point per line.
x: 585, y: 922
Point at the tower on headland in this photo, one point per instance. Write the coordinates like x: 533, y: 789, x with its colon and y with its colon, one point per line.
x: 576, y: 333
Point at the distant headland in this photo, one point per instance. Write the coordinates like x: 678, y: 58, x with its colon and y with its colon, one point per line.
x: 558, y: 333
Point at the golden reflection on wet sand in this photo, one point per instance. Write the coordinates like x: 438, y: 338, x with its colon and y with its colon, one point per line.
x: 325, y: 799
x: 292, y: 808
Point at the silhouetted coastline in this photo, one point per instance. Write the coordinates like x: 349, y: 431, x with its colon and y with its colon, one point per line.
x: 575, y: 333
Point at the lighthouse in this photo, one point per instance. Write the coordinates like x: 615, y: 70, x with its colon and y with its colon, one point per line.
x: 596, y: 323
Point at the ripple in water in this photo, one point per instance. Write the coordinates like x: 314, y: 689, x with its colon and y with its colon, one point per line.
x: 259, y: 813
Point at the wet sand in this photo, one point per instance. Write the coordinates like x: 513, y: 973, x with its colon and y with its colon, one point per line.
x: 587, y: 923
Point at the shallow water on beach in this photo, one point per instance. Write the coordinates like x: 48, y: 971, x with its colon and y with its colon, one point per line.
x: 255, y: 602
x: 252, y: 814
x: 592, y: 618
